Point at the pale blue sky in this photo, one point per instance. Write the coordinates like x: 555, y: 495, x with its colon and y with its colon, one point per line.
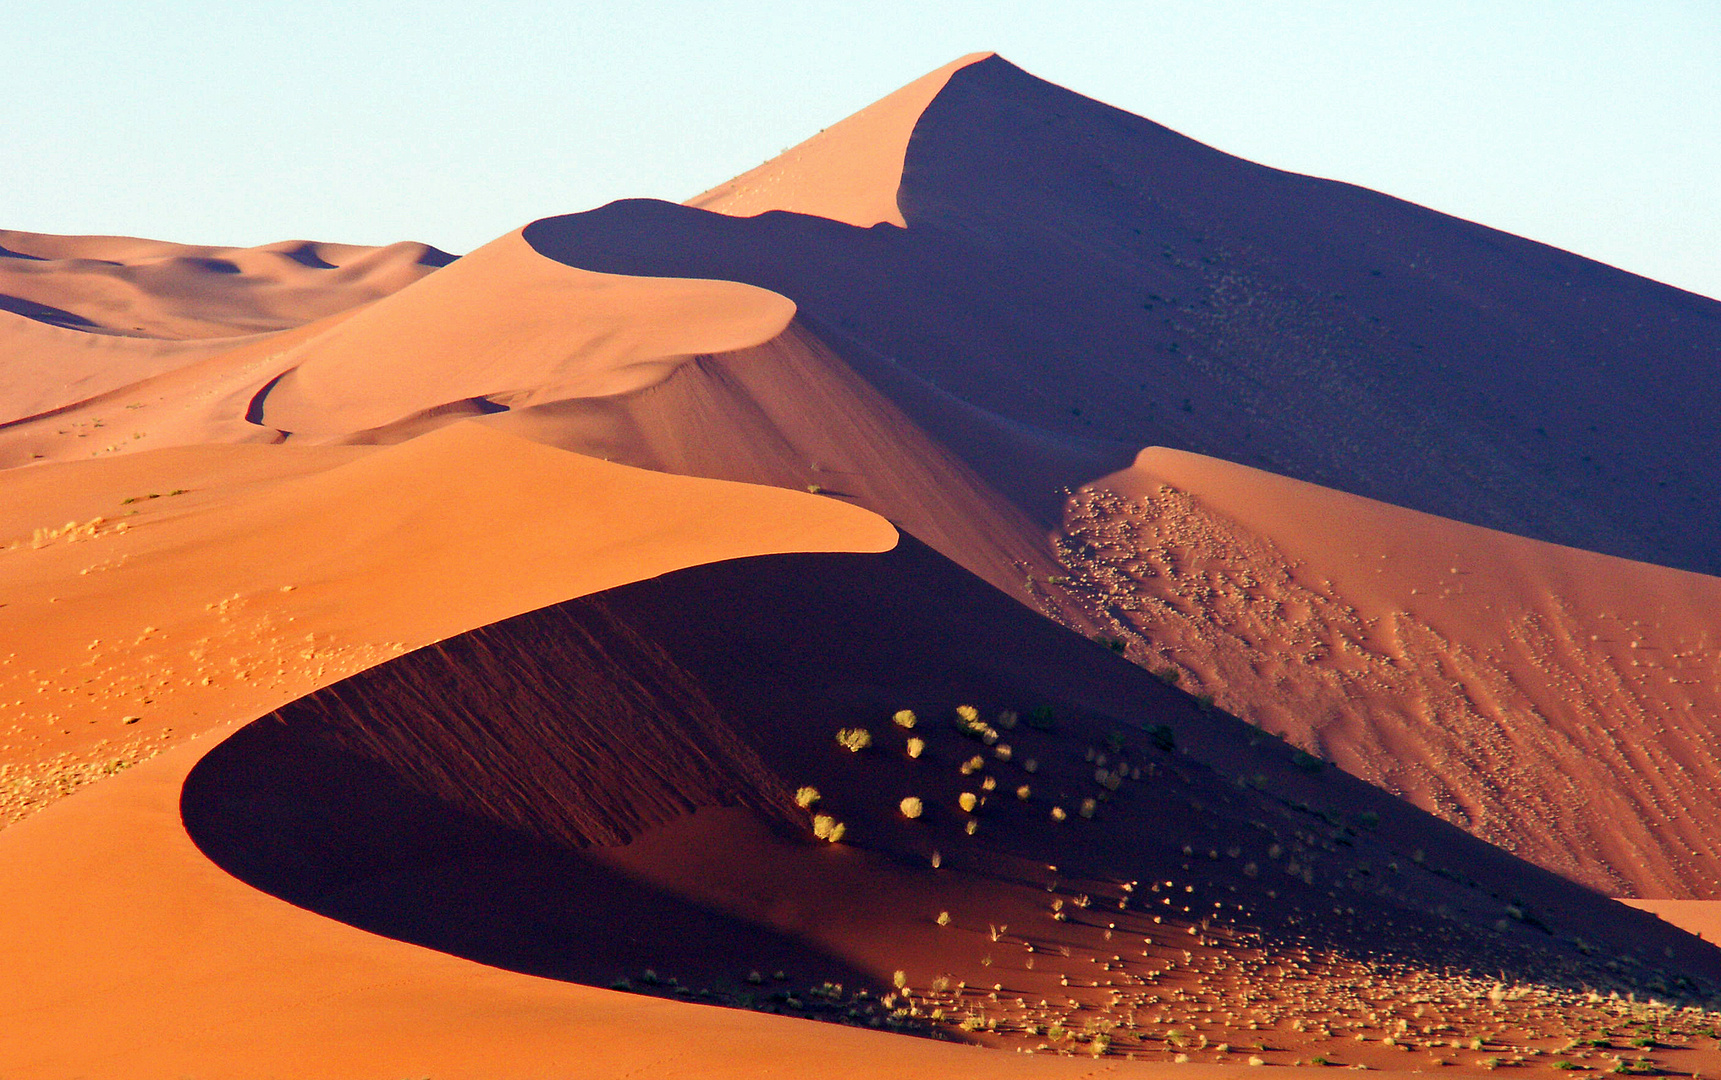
x: 1593, y: 126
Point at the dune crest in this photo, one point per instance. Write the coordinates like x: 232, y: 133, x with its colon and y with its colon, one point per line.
x: 848, y: 172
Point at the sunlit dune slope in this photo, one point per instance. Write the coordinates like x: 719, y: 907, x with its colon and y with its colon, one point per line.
x: 82, y: 316
x: 848, y: 172
x: 127, y: 287
x: 1555, y: 702
x: 606, y: 790
x: 203, y: 584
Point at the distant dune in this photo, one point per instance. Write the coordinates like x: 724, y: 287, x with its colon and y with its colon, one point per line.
x: 1303, y: 602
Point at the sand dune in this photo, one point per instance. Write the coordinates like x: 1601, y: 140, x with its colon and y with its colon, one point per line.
x: 1552, y: 701
x: 503, y: 552
x: 613, y: 773
x: 128, y: 287
x: 197, y: 585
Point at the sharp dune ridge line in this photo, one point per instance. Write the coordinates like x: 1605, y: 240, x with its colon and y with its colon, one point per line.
x: 483, y: 666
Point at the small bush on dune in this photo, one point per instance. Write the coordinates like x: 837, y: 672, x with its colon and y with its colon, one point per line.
x: 805, y: 797
x: 905, y: 718
x: 911, y: 807
x: 855, y: 739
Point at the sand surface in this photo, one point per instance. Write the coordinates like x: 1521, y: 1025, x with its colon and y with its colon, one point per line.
x: 553, y: 572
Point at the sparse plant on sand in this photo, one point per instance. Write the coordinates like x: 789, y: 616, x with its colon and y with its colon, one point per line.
x: 904, y: 718
x: 854, y: 739
x: 828, y: 828
x: 911, y: 807
x: 967, y: 721
x: 968, y: 801
x: 806, y: 797
x: 916, y: 746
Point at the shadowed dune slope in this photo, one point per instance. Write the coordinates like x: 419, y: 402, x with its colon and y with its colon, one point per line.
x: 471, y: 798
x: 1556, y: 702
x: 1092, y: 273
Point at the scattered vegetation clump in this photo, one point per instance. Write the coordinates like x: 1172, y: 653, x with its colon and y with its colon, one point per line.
x: 967, y: 721
x: 1041, y: 719
x: 911, y: 807
x: 854, y: 739
x: 916, y: 746
x: 806, y: 797
x: 1161, y: 736
x: 904, y: 718
x: 828, y: 828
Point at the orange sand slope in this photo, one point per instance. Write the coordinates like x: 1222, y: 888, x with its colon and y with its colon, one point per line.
x: 1552, y: 701
x: 200, y: 585
x: 84, y: 315
x: 849, y: 172
x: 410, y: 543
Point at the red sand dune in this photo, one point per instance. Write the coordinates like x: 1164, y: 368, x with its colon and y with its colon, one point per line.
x: 239, y: 481
x: 1553, y: 701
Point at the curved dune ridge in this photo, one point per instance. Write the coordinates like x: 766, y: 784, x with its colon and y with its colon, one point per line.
x: 612, y: 773
x: 468, y: 538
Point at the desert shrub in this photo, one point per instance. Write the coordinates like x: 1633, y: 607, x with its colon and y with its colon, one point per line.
x: 806, y: 797
x: 968, y: 801
x: 911, y: 807
x: 905, y: 718
x: 1163, y: 737
x: 1307, y: 762
x: 1041, y: 719
x: 967, y: 721
x: 916, y: 747
x: 854, y: 739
